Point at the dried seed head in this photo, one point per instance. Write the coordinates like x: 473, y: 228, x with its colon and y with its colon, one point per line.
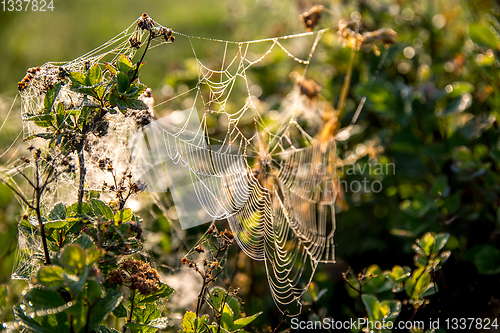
x: 311, y: 17
x: 199, y: 249
x: 134, y: 42
x: 145, y: 22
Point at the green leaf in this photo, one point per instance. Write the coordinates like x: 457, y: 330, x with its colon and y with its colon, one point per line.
x: 390, y: 309
x: 487, y: 260
x: 139, y: 328
x: 200, y: 323
x: 43, y: 299
x: 76, y: 282
x: 72, y: 210
x: 79, y: 312
x: 217, y: 295
x: 50, y: 97
x: 84, y: 116
x: 60, y: 116
x: 103, y: 308
x: 124, y: 215
x: 104, y: 329
x: 46, y: 136
x: 144, y: 315
x: 93, y: 255
x: 58, y: 212
x: 419, y: 260
x: 152, y: 326
x: 482, y: 35
x: 56, y: 224
x: 242, y: 322
x: 165, y: 291
x: 188, y: 322
x: 28, y: 322
x: 120, y: 311
x: 122, y: 82
x: 372, y: 306
x: 123, y: 63
x: 383, y: 98
x: 134, y: 104
x: 376, y: 281
x: 460, y: 87
x: 77, y: 78
x: 418, y: 283
x: 425, y: 244
x: 440, y: 187
x: 99, y: 90
x: 51, y: 276
x: 42, y: 120
x: 141, y: 65
x: 84, y: 241
x: 227, y: 319
x: 73, y: 257
x: 398, y: 273
x: 102, y: 209
x: 111, y: 69
x: 73, y: 112
x: 94, y: 290
x: 135, y: 90
x: 440, y: 241
x: 94, y: 75
x: 458, y: 104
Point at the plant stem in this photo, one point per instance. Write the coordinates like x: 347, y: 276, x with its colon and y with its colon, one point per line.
x: 150, y: 37
x: 347, y: 83
x: 222, y: 310
x: 88, y: 313
x: 81, y: 184
x: 132, y: 306
x: 42, y: 233
x: 38, y: 194
x: 200, y: 296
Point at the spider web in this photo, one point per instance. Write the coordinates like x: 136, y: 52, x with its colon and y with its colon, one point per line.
x: 272, y: 180
x: 276, y: 188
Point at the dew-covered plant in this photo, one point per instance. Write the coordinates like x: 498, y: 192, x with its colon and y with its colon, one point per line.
x: 89, y: 245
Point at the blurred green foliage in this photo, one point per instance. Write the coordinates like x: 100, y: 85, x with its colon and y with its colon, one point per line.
x: 432, y: 107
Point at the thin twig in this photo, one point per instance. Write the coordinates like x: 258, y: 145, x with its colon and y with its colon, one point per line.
x: 18, y: 194
x: 150, y: 37
x: 347, y: 83
x: 81, y: 185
